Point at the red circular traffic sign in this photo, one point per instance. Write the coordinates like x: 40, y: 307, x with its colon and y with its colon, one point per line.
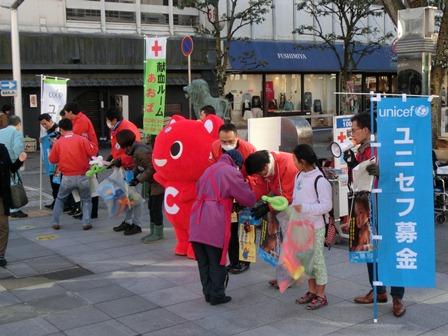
x: 186, y: 46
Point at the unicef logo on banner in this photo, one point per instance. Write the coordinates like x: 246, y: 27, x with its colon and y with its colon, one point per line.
x: 421, y: 111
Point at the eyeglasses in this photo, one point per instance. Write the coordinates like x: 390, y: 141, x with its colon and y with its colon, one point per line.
x: 355, y: 130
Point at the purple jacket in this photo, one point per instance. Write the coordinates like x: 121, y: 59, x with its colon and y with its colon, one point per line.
x: 216, y: 188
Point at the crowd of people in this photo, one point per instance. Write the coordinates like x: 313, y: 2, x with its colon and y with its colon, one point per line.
x: 238, y: 176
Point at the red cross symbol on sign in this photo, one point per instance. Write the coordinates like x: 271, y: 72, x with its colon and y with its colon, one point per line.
x: 156, y: 48
x: 341, y: 137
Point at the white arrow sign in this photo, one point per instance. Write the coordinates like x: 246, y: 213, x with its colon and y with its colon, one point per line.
x: 8, y: 85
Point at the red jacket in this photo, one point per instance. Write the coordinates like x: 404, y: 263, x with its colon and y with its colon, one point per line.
x: 83, y: 126
x: 279, y: 184
x: 117, y: 152
x: 72, y: 154
x: 244, y: 147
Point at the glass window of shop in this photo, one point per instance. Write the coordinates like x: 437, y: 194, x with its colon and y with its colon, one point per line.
x: 353, y: 102
x: 283, y: 93
x: 244, y: 93
x: 319, y: 99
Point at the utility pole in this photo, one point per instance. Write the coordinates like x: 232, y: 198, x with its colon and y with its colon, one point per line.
x: 15, y: 49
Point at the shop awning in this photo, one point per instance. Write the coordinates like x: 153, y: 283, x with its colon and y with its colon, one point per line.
x: 291, y: 56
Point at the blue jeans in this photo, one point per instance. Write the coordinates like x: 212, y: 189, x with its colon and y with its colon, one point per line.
x: 68, y: 184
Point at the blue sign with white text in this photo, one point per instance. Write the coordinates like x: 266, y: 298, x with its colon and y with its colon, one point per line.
x: 406, y: 253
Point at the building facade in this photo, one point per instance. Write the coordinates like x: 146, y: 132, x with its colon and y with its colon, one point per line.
x: 98, y: 44
x: 285, y: 73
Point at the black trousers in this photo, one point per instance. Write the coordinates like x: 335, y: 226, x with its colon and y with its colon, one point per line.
x: 155, y: 204
x: 234, y: 246
x: 95, y: 201
x: 54, y: 188
x: 213, y: 275
x: 396, y: 292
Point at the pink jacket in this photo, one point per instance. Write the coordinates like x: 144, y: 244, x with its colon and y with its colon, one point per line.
x: 210, y: 216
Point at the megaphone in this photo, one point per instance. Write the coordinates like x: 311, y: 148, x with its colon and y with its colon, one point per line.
x: 338, y: 149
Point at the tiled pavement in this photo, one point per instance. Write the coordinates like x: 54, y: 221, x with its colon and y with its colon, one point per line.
x: 89, y: 283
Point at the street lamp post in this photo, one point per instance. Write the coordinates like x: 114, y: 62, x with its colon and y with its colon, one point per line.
x: 15, y: 49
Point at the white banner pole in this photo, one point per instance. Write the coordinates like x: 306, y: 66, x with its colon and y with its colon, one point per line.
x: 40, y: 150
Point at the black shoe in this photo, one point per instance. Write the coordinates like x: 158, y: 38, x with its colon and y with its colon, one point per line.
x: 78, y: 215
x: 74, y: 211
x: 219, y: 300
x: 3, y: 262
x: 238, y: 268
x: 49, y: 206
x: 18, y: 214
x: 207, y: 298
x: 122, y: 227
x: 94, y: 216
x: 67, y: 208
x: 133, y: 229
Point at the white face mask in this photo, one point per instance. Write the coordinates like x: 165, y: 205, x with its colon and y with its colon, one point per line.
x: 109, y: 124
x: 270, y: 169
x: 228, y: 147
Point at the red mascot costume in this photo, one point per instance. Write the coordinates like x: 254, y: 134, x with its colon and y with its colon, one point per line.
x: 181, y: 154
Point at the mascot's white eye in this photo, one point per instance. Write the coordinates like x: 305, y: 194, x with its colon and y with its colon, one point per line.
x: 176, y: 150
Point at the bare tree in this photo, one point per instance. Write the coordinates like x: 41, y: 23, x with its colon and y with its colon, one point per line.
x: 225, y: 25
x: 353, y: 29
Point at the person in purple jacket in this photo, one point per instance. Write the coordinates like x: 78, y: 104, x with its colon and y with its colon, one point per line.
x: 216, y: 189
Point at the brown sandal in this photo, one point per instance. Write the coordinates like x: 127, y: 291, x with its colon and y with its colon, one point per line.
x: 317, y: 303
x: 273, y: 283
x: 306, y: 298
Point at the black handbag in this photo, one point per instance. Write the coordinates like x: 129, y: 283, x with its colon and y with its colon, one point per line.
x: 18, y: 193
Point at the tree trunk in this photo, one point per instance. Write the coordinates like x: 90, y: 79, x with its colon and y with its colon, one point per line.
x: 392, y: 7
x: 438, y: 72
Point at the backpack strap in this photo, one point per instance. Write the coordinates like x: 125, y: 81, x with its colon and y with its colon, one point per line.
x: 317, y: 194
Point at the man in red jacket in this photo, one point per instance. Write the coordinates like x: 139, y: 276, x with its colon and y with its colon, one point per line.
x: 84, y: 127
x: 229, y: 140
x: 116, y: 123
x: 81, y: 123
x: 72, y: 152
x: 272, y: 173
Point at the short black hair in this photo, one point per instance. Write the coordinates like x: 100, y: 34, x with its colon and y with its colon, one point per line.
x: 125, y: 138
x: 6, y: 108
x: 114, y: 113
x: 228, y: 127
x: 44, y: 116
x: 256, y: 162
x: 66, y: 124
x: 14, y: 120
x: 71, y: 107
x: 363, y: 120
x: 62, y: 113
x: 208, y: 109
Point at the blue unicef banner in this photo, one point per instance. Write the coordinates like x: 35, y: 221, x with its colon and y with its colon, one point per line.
x: 406, y: 255
x: 45, y: 143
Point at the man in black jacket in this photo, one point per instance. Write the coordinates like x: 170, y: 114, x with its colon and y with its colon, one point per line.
x: 6, y: 168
